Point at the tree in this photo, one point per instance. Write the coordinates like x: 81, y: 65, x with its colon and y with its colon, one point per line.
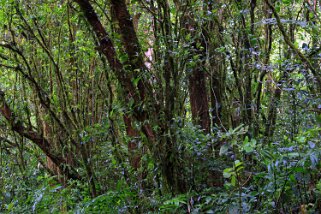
x: 162, y: 94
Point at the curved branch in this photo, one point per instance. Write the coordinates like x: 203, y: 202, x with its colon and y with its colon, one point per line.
x: 107, y: 48
x: 292, y: 46
x: 40, y: 141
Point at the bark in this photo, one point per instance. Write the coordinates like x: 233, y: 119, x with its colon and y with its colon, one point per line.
x: 198, y: 99
x: 216, y: 98
x: 287, y: 40
x: 267, y: 50
x: 47, y: 134
x: 40, y: 141
x: 132, y: 47
x: 245, y: 62
x: 131, y: 69
x: 106, y: 46
x: 128, y: 34
x: 134, y: 158
x: 272, y: 115
x: 170, y: 161
x: 142, y: 93
x: 197, y: 79
x: 126, y: 29
x: 217, y: 75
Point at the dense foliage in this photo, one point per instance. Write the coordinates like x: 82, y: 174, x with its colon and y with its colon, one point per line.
x: 165, y: 106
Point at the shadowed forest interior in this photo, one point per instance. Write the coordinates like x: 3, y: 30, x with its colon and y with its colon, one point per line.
x: 160, y: 106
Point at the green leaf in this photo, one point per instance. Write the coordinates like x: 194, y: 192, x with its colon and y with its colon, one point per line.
x: 318, y: 118
x: 227, y: 173
x: 293, y: 154
x: 233, y: 180
x: 123, y: 58
x: 301, y: 139
x: 136, y: 80
x: 287, y: 2
x: 224, y: 149
x: 10, y: 206
x: 249, y: 147
x: 237, y: 163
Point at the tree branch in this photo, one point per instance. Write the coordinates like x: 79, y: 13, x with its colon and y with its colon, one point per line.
x: 292, y: 46
x: 40, y: 141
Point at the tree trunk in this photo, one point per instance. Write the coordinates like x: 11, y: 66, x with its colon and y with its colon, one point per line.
x: 40, y: 141
x: 197, y: 79
x: 198, y: 99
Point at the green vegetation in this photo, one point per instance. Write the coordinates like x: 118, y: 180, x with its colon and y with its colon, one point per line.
x: 160, y: 106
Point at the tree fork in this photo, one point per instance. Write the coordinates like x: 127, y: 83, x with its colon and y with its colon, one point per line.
x: 41, y: 142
